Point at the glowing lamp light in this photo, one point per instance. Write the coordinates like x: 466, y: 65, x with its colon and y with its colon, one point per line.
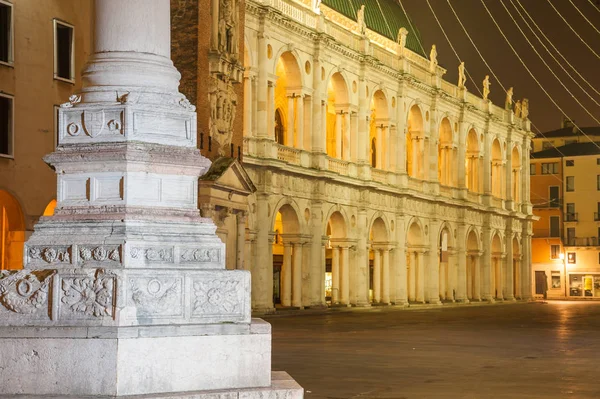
x: 561, y: 256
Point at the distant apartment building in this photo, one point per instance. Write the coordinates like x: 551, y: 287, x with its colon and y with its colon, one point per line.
x: 565, y: 193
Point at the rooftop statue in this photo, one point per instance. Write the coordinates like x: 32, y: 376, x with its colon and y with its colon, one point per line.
x: 402, y: 33
x: 433, y: 63
x: 509, y: 98
x: 486, y: 87
x: 360, y: 18
x: 462, y: 78
x: 525, y: 108
x: 518, y: 109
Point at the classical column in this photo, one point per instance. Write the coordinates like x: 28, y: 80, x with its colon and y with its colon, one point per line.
x: 420, y: 255
x: 400, y: 260
x: 354, y: 137
x: 262, y: 266
x: 300, y: 122
x: 241, y: 240
x: 461, y: 279
x: 385, y: 277
x: 344, y: 276
x: 526, y: 266
x: 486, y: 265
x: 264, y: 92
x: 286, y: 275
x: 308, y: 123
x: 393, y: 139
x: 324, y: 125
x: 291, y: 124
x: 363, y: 124
x: 297, y: 276
x: 317, y: 256
x: 376, y: 275
x: 247, y: 108
x: 388, y: 147
x: 462, y: 156
x: 433, y: 263
x: 452, y: 272
x: 477, y: 277
x: 317, y: 130
x: 487, y: 171
x: 335, y: 275
x: 338, y: 134
x: 415, y: 157
x: 362, y: 258
x: 270, y: 122
x: 346, y: 143
x: 379, y: 146
x: 412, y: 275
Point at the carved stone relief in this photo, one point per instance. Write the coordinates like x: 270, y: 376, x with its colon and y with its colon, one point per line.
x: 100, y: 254
x: 156, y: 296
x: 223, y: 104
x: 24, y: 291
x: 202, y: 255
x: 52, y: 255
x: 152, y: 254
x: 88, y: 296
x: 216, y: 297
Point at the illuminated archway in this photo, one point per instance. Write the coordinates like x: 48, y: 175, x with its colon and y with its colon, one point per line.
x: 446, y: 155
x: 287, y: 258
x: 379, y: 130
x: 415, y: 143
x: 288, y: 97
x: 473, y: 274
x: 338, y: 118
x: 415, y: 262
x: 337, y: 267
x: 379, y: 262
x: 12, y: 232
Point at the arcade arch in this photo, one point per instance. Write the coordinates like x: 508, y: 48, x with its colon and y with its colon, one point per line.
x: 287, y: 258
x: 289, y: 100
x: 448, y: 271
x: 496, y: 272
x: 473, y: 267
x: 379, y: 262
x: 415, y: 143
x: 338, y: 129
x: 415, y: 250
x: 337, y: 264
x: 446, y: 155
x: 12, y: 232
x: 379, y: 131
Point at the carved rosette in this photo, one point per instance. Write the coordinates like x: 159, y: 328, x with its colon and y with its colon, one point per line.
x: 49, y: 255
x: 152, y: 254
x: 156, y: 297
x: 24, y: 291
x: 202, y: 255
x: 216, y: 297
x: 106, y: 254
x: 88, y: 296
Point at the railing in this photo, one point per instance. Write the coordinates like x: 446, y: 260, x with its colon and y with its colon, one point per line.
x: 497, y: 202
x: 337, y: 166
x: 449, y: 88
x: 572, y: 217
x: 498, y: 112
x: 417, y: 59
x: 415, y: 184
x: 582, y: 242
x: 379, y: 175
x: 474, y: 100
x: 418, y: 72
x: 385, y: 57
x: 296, y: 13
x: 343, y: 36
x: 287, y: 154
x: 446, y: 191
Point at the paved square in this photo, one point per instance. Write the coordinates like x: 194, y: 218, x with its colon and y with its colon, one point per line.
x: 527, y: 350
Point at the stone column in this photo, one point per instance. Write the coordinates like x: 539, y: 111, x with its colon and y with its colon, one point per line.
x: 376, y: 276
x: 316, y: 133
x: 126, y: 249
x: 401, y: 266
x: 462, y: 155
x: 415, y: 157
x: 388, y: 147
x: 335, y: 275
x: 291, y: 124
x: 433, y: 294
x: 354, y: 137
x: 362, y: 258
x: 317, y: 257
x: 346, y: 143
x: 307, y: 123
x: 324, y: 125
x: 262, y: 266
x: 420, y: 261
x: 412, y: 275
x: 264, y: 91
x: 270, y: 122
x: 477, y: 276
x: 385, y: 277
x: 379, y: 146
x: 363, y: 125
x: 344, y: 276
x: 241, y: 240
x: 526, y: 266
x: 338, y: 134
x: 297, y: 276
x: 247, y: 114
x: 300, y: 122
x: 461, y: 283
x: 286, y: 275
x: 486, y: 265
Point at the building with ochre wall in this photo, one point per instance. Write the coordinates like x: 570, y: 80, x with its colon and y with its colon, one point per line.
x: 377, y: 181
x: 44, y: 45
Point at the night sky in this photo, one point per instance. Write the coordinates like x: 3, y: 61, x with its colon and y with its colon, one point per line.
x: 504, y: 62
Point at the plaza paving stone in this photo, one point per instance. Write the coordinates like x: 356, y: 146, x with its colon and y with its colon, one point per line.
x: 524, y: 350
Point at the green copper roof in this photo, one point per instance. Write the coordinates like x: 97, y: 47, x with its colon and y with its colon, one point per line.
x: 382, y: 16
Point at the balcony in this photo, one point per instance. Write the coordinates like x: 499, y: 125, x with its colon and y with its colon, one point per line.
x: 582, y: 242
x: 571, y: 217
x: 546, y: 233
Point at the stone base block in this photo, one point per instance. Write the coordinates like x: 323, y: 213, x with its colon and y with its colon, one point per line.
x: 121, y: 366
x: 282, y: 387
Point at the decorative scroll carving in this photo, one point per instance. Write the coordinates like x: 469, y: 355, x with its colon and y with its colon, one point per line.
x: 25, y: 291
x: 223, y: 104
x: 153, y: 254
x: 50, y: 254
x: 154, y: 296
x: 74, y: 99
x: 203, y: 255
x: 216, y: 297
x: 89, y: 296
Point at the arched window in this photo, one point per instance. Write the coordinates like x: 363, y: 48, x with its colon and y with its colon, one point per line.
x: 279, y: 128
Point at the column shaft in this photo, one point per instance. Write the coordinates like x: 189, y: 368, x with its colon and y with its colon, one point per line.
x: 335, y: 275
x: 385, y: 297
x: 376, y: 276
x: 344, y: 276
x: 338, y: 135
x: 300, y: 123
x: 291, y: 124
x: 297, y: 276
x: 286, y: 275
